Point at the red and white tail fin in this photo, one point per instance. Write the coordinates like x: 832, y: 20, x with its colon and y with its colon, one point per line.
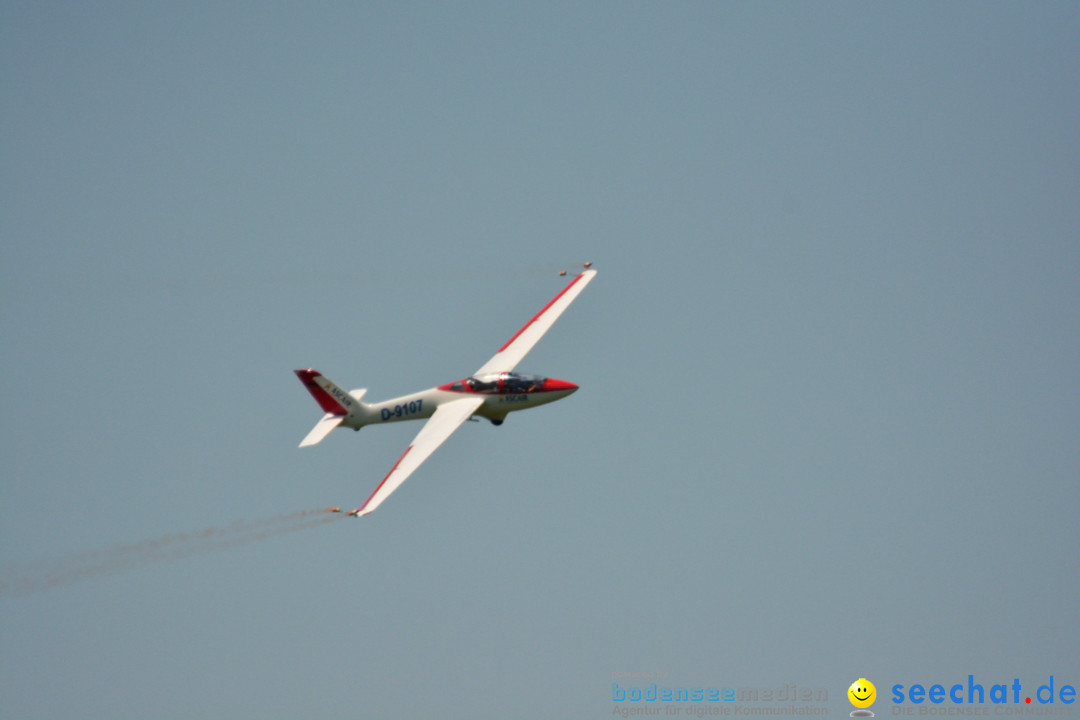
x: 337, y: 404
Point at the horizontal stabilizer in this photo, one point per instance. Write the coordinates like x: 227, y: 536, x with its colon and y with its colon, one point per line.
x: 321, y: 429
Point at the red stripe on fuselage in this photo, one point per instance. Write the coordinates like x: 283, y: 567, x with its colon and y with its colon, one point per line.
x: 553, y: 301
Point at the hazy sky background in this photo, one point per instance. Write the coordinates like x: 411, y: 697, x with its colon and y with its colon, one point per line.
x: 830, y: 399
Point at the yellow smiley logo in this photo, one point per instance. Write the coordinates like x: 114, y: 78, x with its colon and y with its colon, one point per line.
x: 862, y: 693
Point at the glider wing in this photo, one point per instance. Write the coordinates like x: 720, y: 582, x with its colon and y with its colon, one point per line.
x: 512, y: 352
x: 446, y: 419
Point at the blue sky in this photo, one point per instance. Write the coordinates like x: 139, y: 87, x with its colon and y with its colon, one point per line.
x: 829, y: 393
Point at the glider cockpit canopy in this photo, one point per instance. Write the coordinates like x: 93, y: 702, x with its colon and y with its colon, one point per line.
x: 494, y: 383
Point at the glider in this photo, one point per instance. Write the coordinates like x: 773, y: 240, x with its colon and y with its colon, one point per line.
x: 491, y: 392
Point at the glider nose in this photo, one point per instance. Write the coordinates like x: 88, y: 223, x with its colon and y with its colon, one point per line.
x: 560, y: 385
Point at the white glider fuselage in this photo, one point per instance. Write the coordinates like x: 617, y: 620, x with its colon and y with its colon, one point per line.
x: 502, y: 393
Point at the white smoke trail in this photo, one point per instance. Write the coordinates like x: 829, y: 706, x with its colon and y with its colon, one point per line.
x: 47, y: 574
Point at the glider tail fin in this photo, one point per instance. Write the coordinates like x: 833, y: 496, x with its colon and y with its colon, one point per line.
x: 330, y: 397
x: 337, y: 403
